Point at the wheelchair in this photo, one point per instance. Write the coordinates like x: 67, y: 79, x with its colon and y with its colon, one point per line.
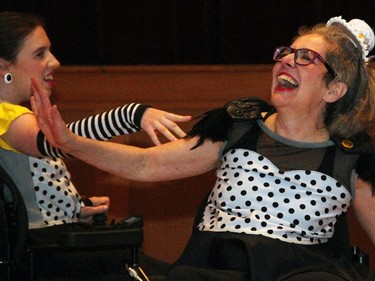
x: 17, y: 254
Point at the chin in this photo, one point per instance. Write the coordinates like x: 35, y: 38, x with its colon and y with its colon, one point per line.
x: 283, y: 98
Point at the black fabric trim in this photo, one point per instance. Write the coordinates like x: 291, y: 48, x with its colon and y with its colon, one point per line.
x: 139, y: 113
x: 216, y: 124
x: 87, y: 202
x: 366, y: 169
x: 328, y: 161
x: 40, y: 142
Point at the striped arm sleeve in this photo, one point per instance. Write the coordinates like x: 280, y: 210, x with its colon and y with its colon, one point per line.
x: 103, y: 126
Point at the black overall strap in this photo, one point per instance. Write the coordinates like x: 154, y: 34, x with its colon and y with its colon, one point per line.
x: 243, y: 135
x: 328, y: 161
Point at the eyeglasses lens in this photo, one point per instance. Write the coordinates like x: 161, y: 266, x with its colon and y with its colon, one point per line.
x: 302, y: 56
x: 281, y: 52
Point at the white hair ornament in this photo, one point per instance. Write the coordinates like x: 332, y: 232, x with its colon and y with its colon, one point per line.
x: 360, y: 30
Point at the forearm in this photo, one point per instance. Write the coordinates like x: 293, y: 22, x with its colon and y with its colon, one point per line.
x: 170, y: 161
x: 104, y: 126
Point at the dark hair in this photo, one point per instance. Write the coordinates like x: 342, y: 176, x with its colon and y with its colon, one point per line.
x: 14, y: 28
x: 353, y: 113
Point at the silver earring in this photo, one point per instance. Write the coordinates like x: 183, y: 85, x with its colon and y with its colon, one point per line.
x: 8, y: 78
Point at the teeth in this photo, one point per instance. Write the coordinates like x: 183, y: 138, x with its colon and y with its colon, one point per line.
x: 287, y: 82
x: 48, y: 78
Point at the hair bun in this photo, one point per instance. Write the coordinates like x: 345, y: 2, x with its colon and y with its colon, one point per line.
x: 362, y: 32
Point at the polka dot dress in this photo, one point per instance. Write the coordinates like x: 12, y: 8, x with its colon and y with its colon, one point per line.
x: 57, y: 198
x: 253, y: 196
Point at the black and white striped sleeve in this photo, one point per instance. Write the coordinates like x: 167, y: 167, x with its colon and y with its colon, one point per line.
x: 103, y: 126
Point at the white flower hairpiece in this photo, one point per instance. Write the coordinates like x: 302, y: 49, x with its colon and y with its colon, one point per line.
x: 361, y: 31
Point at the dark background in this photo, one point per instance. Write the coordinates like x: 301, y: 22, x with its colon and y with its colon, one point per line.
x: 160, y: 32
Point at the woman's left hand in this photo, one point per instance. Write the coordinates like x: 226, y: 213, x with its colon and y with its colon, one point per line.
x: 100, y: 204
x: 154, y: 120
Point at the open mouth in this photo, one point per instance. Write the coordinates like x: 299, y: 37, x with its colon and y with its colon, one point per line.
x: 286, y: 82
x: 48, y: 78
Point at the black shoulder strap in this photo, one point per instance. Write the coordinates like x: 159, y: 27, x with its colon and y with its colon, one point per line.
x: 360, y: 151
x: 247, y: 132
x: 361, y: 143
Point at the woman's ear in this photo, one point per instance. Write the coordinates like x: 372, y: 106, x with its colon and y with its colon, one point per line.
x: 336, y: 91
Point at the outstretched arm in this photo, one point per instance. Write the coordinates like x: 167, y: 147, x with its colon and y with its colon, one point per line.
x: 169, y: 161
x: 120, y: 121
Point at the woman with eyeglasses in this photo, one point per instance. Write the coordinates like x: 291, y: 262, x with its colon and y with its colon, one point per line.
x: 286, y: 173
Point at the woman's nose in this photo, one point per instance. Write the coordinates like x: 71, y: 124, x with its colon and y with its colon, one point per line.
x: 54, y: 63
x: 288, y: 60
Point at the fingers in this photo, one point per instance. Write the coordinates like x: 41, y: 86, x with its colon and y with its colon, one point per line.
x: 178, y: 118
x: 166, y: 127
x: 155, y: 120
x: 35, y: 100
x: 169, y: 129
x: 90, y: 211
x: 34, y: 107
x: 100, y: 209
x: 151, y: 133
x: 37, y: 92
x: 157, y: 127
x: 100, y: 205
x: 40, y: 103
x: 48, y: 117
x: 100, y: 200
x: 171, y: 126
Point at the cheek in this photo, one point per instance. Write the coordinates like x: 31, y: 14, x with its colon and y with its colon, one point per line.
x: 21, y: 87
x: 316, y: 86
x: 32, y: 68
x: 275, y: 70
x: 36, y: 70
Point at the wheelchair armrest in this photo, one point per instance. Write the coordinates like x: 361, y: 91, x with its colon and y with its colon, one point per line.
x: 103, y: 236
x: 126, y: 233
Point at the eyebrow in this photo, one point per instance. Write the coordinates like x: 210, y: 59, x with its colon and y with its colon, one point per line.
x: 40, y: 49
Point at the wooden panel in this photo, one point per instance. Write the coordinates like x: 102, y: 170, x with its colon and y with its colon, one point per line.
x: 181, y: 87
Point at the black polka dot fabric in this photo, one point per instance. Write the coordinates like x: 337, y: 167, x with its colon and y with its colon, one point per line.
x: 253, y: 196
x: 57, y: 198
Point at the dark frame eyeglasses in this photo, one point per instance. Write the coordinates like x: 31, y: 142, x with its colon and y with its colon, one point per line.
x: 302, y: 57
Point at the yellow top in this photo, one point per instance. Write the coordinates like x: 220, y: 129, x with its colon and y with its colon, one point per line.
x: 8, y: 113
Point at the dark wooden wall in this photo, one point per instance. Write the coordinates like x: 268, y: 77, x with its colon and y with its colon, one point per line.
x: 168, y: 207
x: 133, y: 32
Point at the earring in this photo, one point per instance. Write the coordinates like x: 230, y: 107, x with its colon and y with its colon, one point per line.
x: 8, y: 78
